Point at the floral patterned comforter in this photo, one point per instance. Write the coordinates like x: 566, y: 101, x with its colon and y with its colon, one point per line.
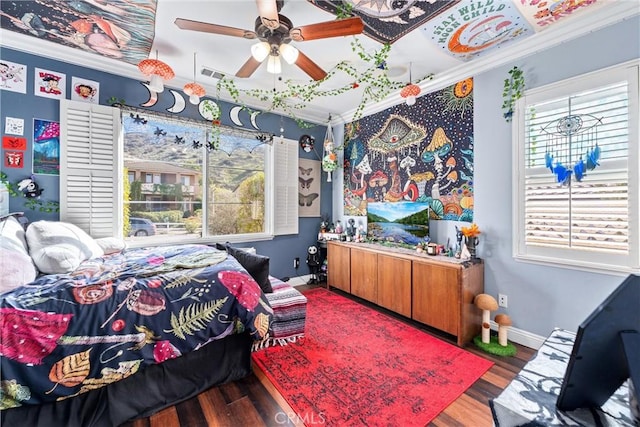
x: 67, y: 334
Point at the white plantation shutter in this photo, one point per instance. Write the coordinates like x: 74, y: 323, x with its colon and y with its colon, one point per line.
x: 285, y: 187
x: 90, y: 168
x: 592, y: 223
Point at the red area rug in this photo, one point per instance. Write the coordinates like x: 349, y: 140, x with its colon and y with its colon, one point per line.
x: 358, y: 367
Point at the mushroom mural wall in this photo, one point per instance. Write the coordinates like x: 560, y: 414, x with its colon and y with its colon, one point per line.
x: 420, y: 153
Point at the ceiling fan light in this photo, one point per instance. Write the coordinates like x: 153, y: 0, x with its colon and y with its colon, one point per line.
x: 260, y: 51
x: 274, y: 66
x: 155, y: 83
x: 289, y: 53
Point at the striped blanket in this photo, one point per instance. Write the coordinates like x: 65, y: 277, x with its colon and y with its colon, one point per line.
x: 289, y: 314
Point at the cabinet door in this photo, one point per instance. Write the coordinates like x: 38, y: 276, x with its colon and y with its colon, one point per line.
x: 363, y: 274
x: 338, y: 265
x: 435, y: 296
x: 394, y: 284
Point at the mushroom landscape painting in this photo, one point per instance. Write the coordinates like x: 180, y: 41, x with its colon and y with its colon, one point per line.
x: 420, y: 154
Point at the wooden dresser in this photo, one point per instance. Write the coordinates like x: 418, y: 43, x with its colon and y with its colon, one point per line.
x: 434, y: 290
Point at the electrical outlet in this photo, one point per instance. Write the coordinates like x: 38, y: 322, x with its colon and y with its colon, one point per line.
x: 502, y: 300
x: 296, y: 262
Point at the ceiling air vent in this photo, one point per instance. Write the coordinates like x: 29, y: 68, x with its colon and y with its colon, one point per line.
x: 209, y: 72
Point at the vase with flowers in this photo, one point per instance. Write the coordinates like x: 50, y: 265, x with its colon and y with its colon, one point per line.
x: 471, y: 234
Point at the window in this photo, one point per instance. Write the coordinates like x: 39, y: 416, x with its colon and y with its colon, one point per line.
x: 185, y: 190
x: 576, y: 168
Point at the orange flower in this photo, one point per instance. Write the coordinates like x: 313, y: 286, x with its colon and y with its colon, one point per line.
x: 472, y: 231
x: 333, y: 157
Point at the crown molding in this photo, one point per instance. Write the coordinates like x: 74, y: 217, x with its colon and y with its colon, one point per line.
x: 78, y: 57
x: 612, y: 13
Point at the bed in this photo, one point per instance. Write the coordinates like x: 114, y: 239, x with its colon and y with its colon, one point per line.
x: 77, y: 346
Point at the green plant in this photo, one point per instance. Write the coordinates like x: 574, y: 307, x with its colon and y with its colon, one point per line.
x: 512, y: 91
x: 344, y: 10
x: 116, y: 102
x: 4, y: 180
x: 373, y: 80
x: 212, y: 110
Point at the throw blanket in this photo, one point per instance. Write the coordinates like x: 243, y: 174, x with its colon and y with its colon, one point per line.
x: 67, y: 334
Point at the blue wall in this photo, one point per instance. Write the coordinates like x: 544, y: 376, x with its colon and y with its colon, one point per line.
x: 27, y: 106
x: 540, y: 297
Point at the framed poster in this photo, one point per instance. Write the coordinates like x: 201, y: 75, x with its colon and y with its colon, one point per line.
x: 84, y: 90
x: 308, y: 188
x: 13, y: 76
x: 49, y: 84
x: 46, y: 147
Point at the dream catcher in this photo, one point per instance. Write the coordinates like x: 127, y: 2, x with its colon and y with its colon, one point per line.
x: 329, y: 156
x: 572, y: 146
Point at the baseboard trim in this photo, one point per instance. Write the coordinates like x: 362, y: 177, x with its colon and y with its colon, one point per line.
x: 522, y: 337
x: 299, y: 280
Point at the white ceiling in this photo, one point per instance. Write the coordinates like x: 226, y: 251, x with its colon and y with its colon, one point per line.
x: 226, y: 54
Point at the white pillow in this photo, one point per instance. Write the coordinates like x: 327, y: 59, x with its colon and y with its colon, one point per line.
x: 15, y: 263
x: 111, y: 245
x: 59, y: 247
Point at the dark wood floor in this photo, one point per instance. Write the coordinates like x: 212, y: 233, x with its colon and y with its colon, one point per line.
x: 254, y: 401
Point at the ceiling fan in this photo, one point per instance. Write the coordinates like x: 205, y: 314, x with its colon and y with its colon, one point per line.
x: 275, y: 32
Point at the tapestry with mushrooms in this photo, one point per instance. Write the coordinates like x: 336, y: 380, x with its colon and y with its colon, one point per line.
x: 419, y: 153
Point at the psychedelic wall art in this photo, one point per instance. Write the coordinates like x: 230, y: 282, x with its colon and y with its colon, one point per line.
x: 117, y: 29
x: 421, y: 153
x: 46, y: 147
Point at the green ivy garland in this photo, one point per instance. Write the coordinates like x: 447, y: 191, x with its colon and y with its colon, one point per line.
x: 296, y: 96
x: 513, y: 89
x: 48, y: 206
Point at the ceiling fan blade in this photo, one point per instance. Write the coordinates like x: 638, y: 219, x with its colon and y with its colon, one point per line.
x: 310, y: 67
x: 323, y: 30
x: 187, y: 24
x: 268, y: 11
x: 248, y: 68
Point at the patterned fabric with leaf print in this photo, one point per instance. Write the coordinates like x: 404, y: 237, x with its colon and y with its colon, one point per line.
x: 67, y: 334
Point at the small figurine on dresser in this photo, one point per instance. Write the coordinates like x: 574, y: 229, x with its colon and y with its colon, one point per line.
x: 351, y: 229
x: 459, y: 237
x: 313, y: 261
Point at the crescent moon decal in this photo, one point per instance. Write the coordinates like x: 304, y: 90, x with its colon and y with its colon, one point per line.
x: 208, y: 109
x: 153, y: 96
x: 254, y: 115
x: 178, y: 102
x: 234, y: 116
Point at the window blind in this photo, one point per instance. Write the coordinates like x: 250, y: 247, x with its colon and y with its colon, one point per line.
x: 576, y: 171
x: 90, y: 171
x: 591, y: 214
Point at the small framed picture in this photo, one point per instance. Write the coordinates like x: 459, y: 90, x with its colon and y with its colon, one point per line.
x: 49, y: 84
x: 84, y: 90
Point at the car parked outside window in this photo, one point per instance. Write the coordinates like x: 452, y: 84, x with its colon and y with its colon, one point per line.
x: 141, y: 227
